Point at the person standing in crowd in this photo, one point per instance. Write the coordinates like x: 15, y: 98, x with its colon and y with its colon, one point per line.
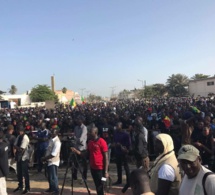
x: 80, y: 133
x: 194, y: 180
x: 140, y: 148
x: 106, y: 132
x: 164, y: 173
x: 42, y: 138
x: 121, y: 143
x: 4, y: 169
x: 139, y: 122
x: 98, y: 155
x: 205, y: 144
x: 10, y: 140
x: 187, y: 127
x: 22, y: 159
x: 139, y: 181
x: 197, y: 130
x: 52, y: 157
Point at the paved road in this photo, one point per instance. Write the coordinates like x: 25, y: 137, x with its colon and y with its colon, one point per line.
x: 39, y: 183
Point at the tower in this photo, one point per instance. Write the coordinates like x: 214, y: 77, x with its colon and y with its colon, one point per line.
x: 53, y: 83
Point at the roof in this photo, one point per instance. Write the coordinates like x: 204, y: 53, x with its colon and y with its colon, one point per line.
x: 209, y: 78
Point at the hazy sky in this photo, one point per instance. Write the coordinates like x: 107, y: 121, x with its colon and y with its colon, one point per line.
x: 96, y: 45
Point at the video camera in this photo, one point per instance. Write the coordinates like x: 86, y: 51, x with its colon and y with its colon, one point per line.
x: 73, y: 141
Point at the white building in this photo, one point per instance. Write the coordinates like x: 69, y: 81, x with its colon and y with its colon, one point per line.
x: 20, y: 100
x: 202, y: 87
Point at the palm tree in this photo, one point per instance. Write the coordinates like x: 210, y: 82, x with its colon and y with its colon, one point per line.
x: 176, y: 85
x: 64, y: 90
x: 1, y: 92
x: 159, y: 89
x: 199, y: 76
x: 13, y: 89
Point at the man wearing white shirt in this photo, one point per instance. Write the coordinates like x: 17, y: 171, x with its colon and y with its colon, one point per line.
x: 22, y: 158
x: 53, y: 159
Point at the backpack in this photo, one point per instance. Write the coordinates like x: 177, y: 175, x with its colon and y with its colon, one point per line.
x: 204, y: 180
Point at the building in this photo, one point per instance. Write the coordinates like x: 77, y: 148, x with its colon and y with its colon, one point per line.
x: 202, y: 87
x: 20, y: 100
x: 68, y: 96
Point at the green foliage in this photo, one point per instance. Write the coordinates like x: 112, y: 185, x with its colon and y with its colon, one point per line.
x: 13, y: 89
x: 124, y: 94
x: 199, y: 76
x: 94, y: 98
x: 2, y: 92
x: 176, y: 85
x: 41, y: 93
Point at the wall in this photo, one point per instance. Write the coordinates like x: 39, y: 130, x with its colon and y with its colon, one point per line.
x: 25, y: 99
x: 200, y: 87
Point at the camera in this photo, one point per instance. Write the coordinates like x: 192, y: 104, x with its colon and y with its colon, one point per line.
x: 73, y: 141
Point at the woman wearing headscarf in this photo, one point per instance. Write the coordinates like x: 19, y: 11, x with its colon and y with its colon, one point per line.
x: 164, y: 174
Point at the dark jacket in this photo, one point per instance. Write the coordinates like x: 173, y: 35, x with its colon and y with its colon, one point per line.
x: 4, y: 169
x: 140, y: 147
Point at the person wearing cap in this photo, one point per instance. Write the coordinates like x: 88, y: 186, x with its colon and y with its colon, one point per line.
x: 42, y: 137
x: 192, y: 183
x: 52, y: 158
x: 164, y: 174
x: 22, y: 159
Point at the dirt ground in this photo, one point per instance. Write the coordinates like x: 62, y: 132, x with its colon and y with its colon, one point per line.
x: 39, y: 184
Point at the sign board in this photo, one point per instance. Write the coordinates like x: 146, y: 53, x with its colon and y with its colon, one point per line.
x: 50, y: 104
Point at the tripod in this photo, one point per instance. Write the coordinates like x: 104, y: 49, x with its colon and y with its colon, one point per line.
x: 72, y: 159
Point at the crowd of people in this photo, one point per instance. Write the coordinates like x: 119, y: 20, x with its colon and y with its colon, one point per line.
x: 176, y: 135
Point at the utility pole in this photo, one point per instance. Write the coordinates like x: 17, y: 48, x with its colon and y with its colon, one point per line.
x: 113, y: 91
x: 141, y: 82
x: 82, y: 89
x: 87, y: 93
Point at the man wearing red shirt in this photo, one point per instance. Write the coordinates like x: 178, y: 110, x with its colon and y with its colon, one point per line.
x: 98, y: 155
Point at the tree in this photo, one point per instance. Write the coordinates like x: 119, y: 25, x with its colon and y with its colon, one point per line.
x: 94, y: 98
x: 159, y: 89
x: 1, y: 92
x: 13, y: 89
x: 124, y: 94
x: 41, y: 93
x: 64, y: 90
x: 199, y: 76
x: 176, y: 85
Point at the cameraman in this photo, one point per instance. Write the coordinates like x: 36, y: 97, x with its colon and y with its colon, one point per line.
x: 80, y: 133
x: 98, y: 155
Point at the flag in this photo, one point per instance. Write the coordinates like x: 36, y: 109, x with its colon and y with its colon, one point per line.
x: 72, y: 103
x: 195, y: 109
x: 83, y: 100
x: 167, y: 122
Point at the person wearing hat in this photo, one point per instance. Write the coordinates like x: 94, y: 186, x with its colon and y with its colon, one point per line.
x: 22, y: 159
x: 192, y: 183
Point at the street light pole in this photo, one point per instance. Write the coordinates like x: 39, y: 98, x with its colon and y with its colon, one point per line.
x: 141, y: 82
x: 82, y: 89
